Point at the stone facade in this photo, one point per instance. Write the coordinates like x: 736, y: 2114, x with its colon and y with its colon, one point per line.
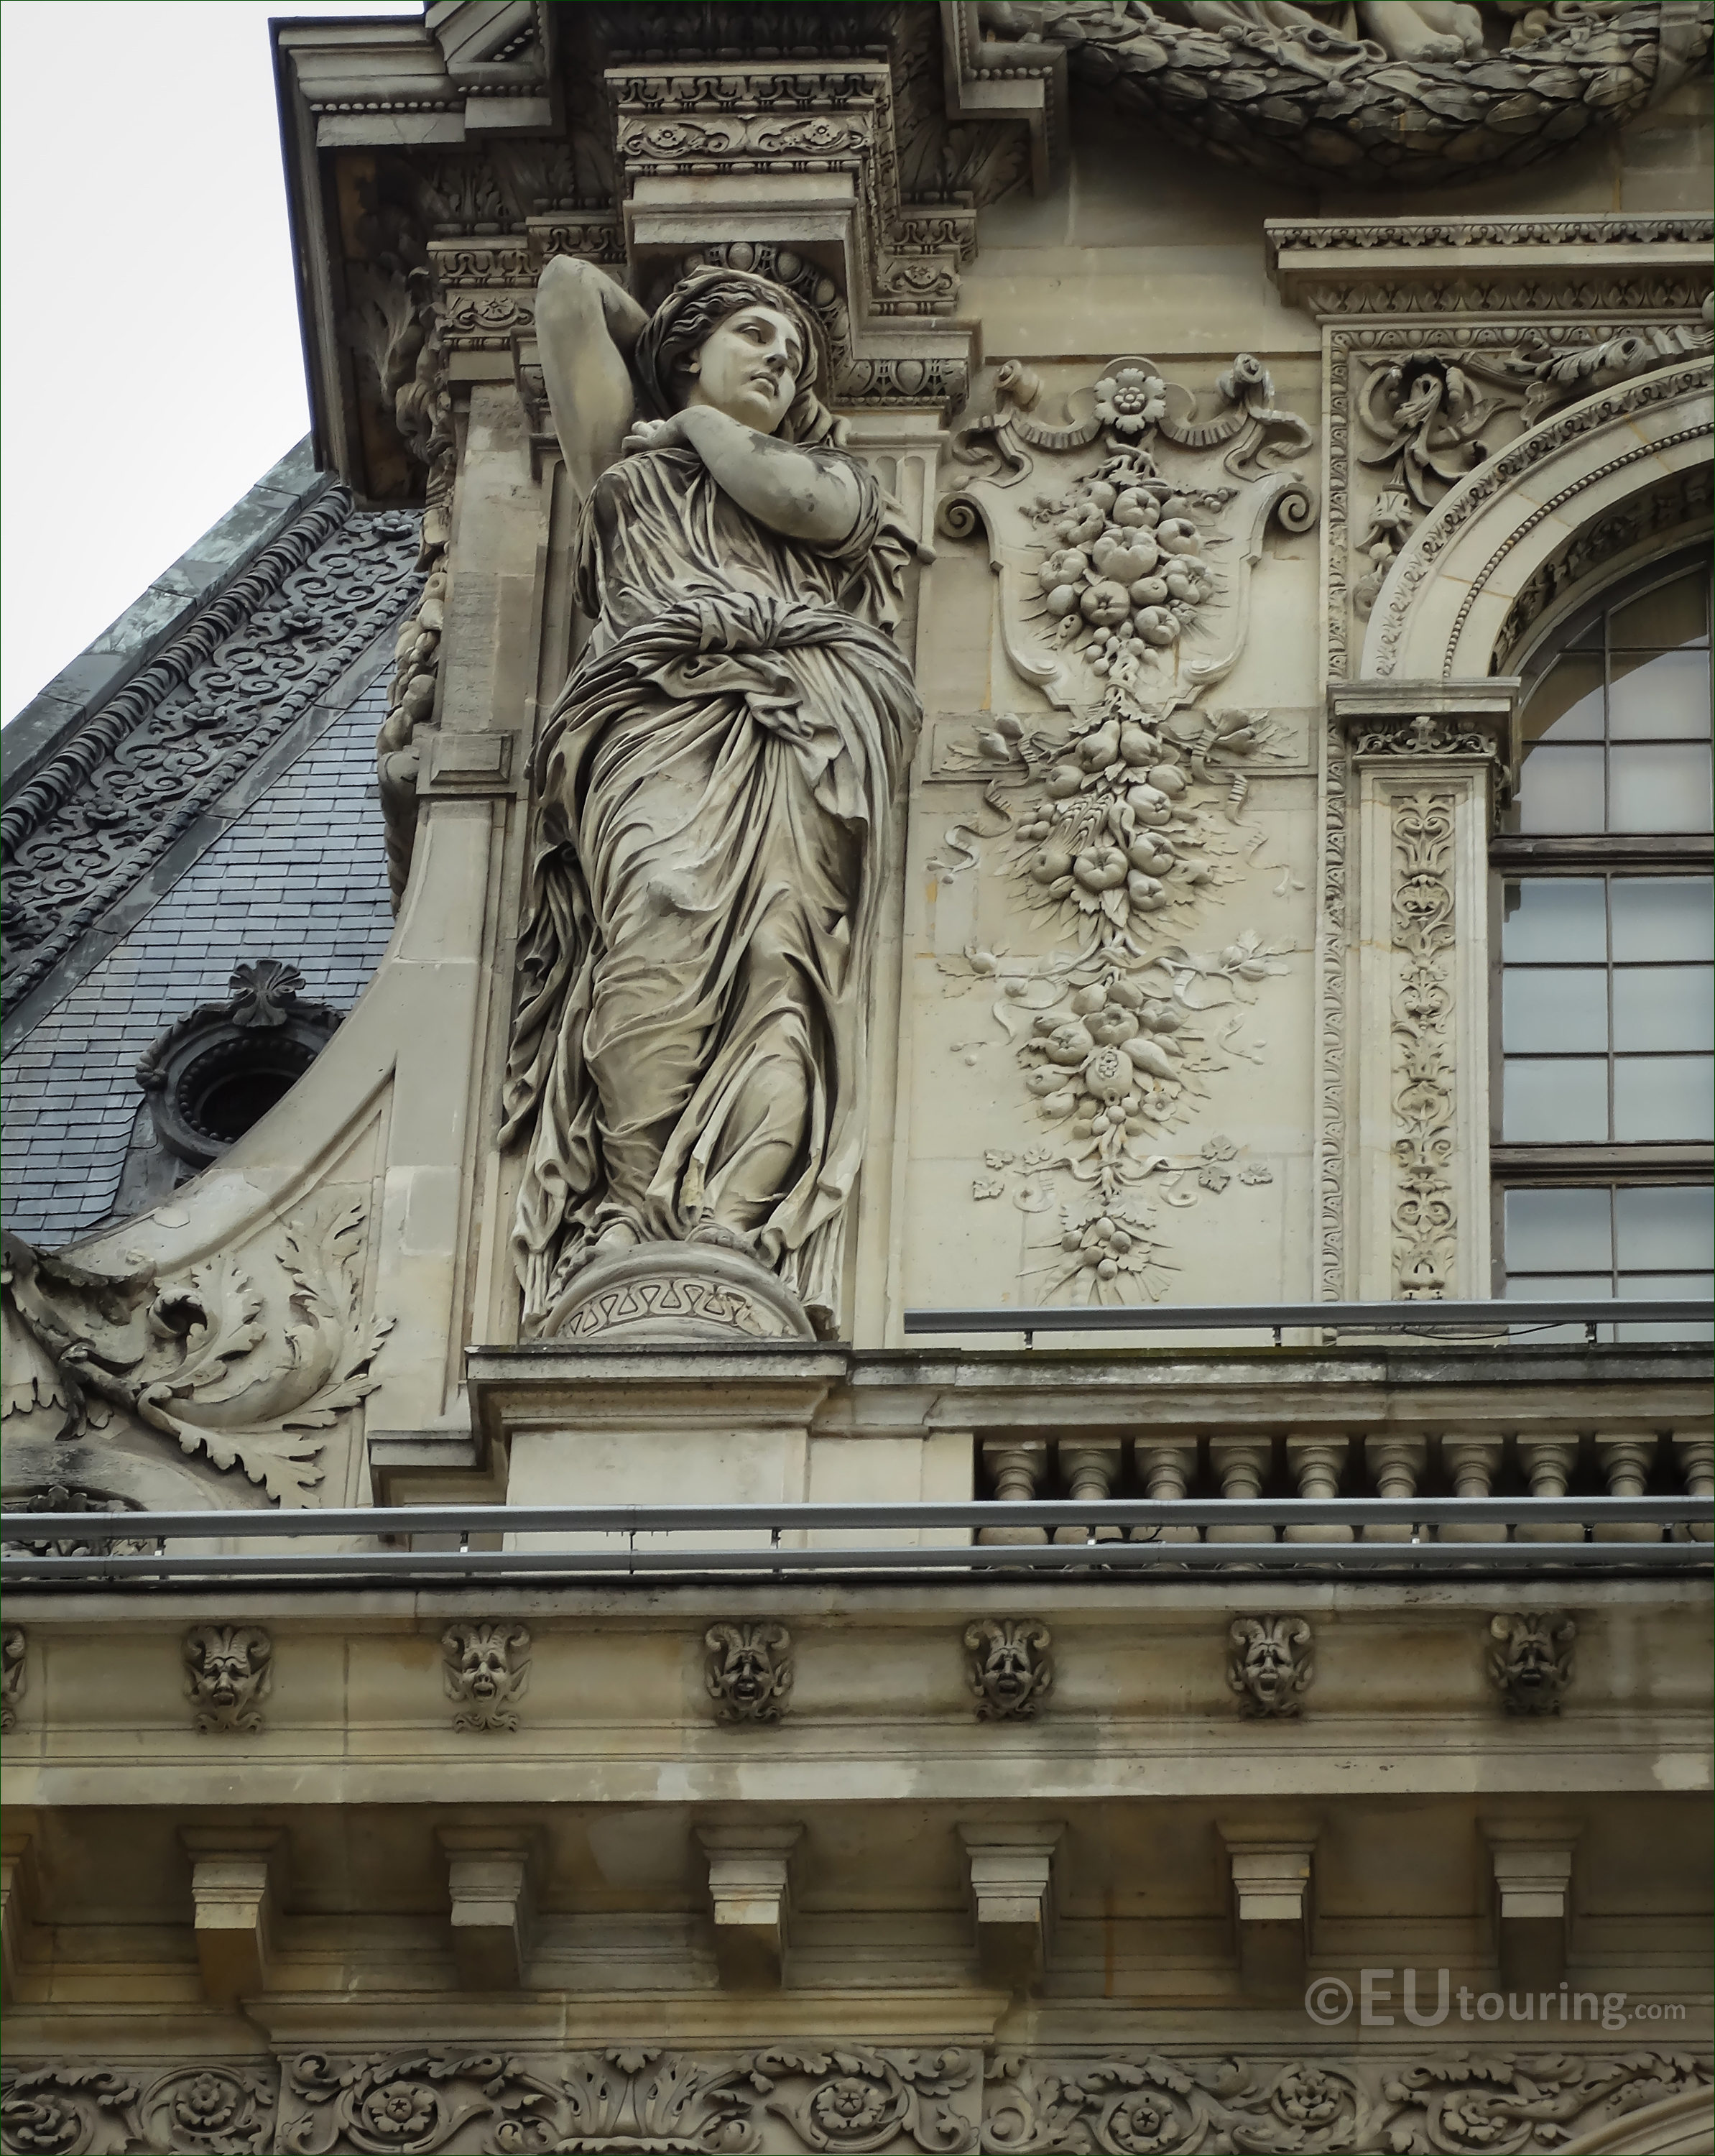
x: 1156, y: 810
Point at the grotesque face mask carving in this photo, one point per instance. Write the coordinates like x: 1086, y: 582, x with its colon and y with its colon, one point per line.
x: 1268, y: 1664
x: 748, y: 367
x: 1009, y: 1669
x: 748, y: 1672
x: 226, y: 1669
x: 486, y: 1668
x: 1530, y: 1662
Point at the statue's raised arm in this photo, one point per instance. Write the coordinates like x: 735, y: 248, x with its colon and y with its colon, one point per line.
x: 715, y: 788
x: 586, y: 329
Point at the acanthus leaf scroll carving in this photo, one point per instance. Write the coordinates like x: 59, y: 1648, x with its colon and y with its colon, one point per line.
x: 1425, y: 1217
x: 1530, y: 1660
x: 830, y: 2095
x: 485, y: 1667
x: 1270, y: 1664
x: 242, y: 1378
x: 229, y: 1670
x: 748, y: 1672
x: 1125, y: 598
x: 1009, y: 1667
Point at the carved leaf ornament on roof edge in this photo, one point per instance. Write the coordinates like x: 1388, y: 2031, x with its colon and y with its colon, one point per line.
x: 1125, y: 598
x: 1386, y: 93
x: 806, y: 2096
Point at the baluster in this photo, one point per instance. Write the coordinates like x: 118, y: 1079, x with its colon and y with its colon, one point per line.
x: 1396, y: 1464
x: 1090, y: 1470
x: 1317, y: 1464
x: 1166, y: 1466
x: 1242, y: 1465
x: 1697, y: 1459
x: 1472, y: 1464
x: 1626, y: 1461
x: 1548, y: 1461
x: 1016, y: 1469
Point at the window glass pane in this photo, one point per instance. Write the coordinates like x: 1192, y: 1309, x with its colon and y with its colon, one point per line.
x: 1560, y: 1287
x: 1555, y: 919
x: 1652, y: 789
x: 1664, y: 694
x: 1560, y: 789
x: 1567, y: 705
x: 1549, y: 1009
x: 1659, y: 1007
x: 1662, y: 1097
x: 1660, y: 1226
x: 1675, y: 613
x: 1555, y: 1102
x: 1668, y: 1287
x: 1557, y: 1229
x: 1659, y: 916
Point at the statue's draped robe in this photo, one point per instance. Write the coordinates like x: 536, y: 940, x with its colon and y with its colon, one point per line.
x: 699, y: 929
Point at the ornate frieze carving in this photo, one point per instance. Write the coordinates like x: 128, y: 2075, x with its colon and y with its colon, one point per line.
x: 1269, y: 1664
x: 14, y: 1672
x: 228, y: 1669
x: 1010, y: 1668
x: 1125, y: 598
x: 1425, y: 1217
x: 247, y: 1377
x: 485, y: 1669
x: 1422, y: 96
x: 1530, y: 1660
x: 749, y: 1672
x: 800, y: 2097
x: 83, y: 832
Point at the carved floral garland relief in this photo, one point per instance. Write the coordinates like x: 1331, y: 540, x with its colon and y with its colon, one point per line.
x: 1125, y: 599
x: 848, y: 2096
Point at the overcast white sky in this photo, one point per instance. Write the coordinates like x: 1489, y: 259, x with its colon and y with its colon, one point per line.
x: 149, y: 363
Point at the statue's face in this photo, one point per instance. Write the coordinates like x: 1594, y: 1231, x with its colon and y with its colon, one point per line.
x: 484, y: 1669
x: 749, y: 1676
x: 748, y: 367
x: 1007, y: 1672
x: 228, y: 1675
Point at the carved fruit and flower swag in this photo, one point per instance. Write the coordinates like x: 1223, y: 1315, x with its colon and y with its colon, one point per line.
x: 1125, y: 598
x: 241, y: 1378
x: 838, y: 2097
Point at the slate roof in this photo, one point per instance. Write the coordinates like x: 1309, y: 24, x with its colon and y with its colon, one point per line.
x: 209, y: 798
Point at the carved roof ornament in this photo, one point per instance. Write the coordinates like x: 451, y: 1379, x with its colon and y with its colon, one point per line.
x: 1391, y: 95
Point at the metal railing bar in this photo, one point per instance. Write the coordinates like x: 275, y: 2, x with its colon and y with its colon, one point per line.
x: 1337, y: 1317
x: 1118, y: 1556
x: 378, y: 1520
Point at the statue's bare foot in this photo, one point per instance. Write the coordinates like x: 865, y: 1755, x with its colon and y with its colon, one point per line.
x: 617, y: 1236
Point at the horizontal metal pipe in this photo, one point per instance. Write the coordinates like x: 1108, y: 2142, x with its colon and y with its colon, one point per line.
x: 1335, y: 1316
x: 1515, y: 1558
x: 375, y: 1520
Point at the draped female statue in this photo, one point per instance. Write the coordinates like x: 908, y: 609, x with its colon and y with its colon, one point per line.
x: 687, y: 1062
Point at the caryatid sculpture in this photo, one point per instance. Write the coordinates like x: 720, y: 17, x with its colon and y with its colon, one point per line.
x: 713, y: 785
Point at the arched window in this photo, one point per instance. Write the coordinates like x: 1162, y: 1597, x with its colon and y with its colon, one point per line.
x: 1604, y: 1100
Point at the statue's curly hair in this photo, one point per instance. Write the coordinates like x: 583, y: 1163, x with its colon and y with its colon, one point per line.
x: 690, y: 313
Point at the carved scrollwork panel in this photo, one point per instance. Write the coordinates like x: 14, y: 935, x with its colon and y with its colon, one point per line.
x: 1425, y: 1214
